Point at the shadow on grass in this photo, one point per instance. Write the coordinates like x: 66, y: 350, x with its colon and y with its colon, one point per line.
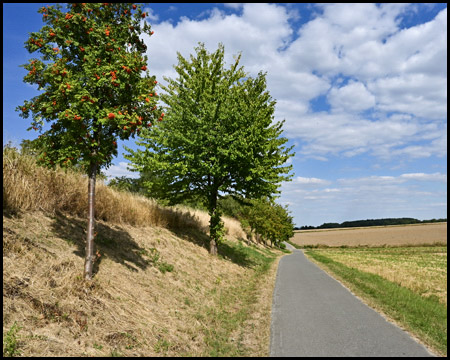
x: 192, y: 235
x: 9, y: 210
x: 114, y: 243
x: 244, y: 256
x: 117, y: 244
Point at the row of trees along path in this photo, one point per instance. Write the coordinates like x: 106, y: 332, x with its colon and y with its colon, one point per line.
x: 218, y: 136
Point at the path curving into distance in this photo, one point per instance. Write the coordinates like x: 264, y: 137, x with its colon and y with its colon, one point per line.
x: 314, y: 315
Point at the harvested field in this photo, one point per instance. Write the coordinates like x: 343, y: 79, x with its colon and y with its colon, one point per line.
x: 423, y: 270
x: 397, y: 235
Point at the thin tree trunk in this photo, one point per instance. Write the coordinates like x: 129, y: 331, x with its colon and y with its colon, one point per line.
x: 89, y: 261
x: 249, y: 237
x: 213, y: 247
x: 213, y: 222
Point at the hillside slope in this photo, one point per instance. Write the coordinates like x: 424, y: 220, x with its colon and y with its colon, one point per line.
x: 136, y: 304
x: 156, y: 290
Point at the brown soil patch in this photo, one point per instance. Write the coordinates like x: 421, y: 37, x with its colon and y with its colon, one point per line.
x: 416, y: 234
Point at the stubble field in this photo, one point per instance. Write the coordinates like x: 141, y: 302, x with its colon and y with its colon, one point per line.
x: 417, y: 234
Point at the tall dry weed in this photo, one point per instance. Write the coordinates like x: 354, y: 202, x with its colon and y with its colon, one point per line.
x: 27, y: 186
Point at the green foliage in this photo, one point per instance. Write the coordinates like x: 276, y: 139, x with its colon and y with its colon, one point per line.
x: 232, y: 207
x: 96, y: 346
x: 115, y: 353
x: 161, y: 346
x: 217, y: 227
x: 163, y: 267
x: 90, y: 74
x: 10, y: 344
x: 218, y: 136
x: 34, y: 148
x: 122, y: 183
x: 267, y: 219
x: 270, y: 220
x: 154, y: 258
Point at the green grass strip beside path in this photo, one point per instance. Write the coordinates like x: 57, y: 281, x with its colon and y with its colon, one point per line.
x: 426, y: 318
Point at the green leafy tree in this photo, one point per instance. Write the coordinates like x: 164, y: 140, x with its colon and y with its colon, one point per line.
x: 269, y: 221
x: 282, y: 225
x: 218, y: 136
x: 95, y: 87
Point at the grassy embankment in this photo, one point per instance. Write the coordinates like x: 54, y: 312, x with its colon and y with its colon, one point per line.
x: 407, y: 284
x: 156, y: 290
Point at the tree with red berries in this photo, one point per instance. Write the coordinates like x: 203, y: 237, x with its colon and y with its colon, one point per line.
x: 95, y: 85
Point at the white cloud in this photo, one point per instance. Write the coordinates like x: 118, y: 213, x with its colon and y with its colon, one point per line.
x: 371, y: 181
x: 377, y: 196
x: 338, y: 133
x: 151, y: 15
x: 234, y: 6
x: 258, y: 32
x: 120, y: 170
x: 353, y: 97
x: 390, y: 180
x: 425, y: 177
x: 418, y: 94
x: 354, y: 55
x: 310, y: 181
x: 343, y: 30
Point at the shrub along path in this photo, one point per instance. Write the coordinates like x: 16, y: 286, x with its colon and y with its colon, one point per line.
x: 314, y: 315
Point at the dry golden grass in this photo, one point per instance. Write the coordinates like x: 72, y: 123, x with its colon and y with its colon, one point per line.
x: 29, y: 187
x: 131, y: 307
x: 232, y: 226
x: 416, y: 234
x: 420, y: 269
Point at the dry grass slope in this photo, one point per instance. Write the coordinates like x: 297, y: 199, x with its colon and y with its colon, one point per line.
x: 154, y: 284
x: 29, y: 187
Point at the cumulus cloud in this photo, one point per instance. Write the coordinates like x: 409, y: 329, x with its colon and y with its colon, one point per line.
x: 366, y: 197
x: 310, y: 181
x: 120, y: 170
x: 384, y: 84
x: 425, y: 177
x: 417, y: 94
x: 353, y: 97
x: 234, y: 6
x: 258, y: 32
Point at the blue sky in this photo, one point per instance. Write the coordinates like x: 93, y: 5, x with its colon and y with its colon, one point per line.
x: 362, y: 87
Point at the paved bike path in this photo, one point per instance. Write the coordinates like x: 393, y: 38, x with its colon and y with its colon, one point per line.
x: 314, y: 315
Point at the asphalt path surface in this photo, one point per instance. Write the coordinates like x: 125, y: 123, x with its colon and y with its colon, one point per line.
x: 314, y: 315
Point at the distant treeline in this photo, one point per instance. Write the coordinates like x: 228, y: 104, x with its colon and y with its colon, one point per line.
x: 371, y: 222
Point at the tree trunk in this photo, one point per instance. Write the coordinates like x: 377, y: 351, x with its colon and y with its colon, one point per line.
x: 213, y: 222
x: 213, y: 247
x: 249, y: 237
x: 89, y: 261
